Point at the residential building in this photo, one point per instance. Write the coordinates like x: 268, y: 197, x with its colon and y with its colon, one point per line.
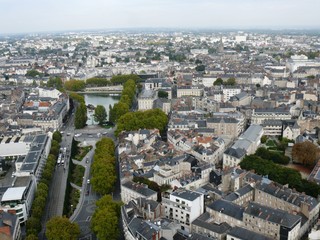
x: 131, y: 191
x: 184, y: 206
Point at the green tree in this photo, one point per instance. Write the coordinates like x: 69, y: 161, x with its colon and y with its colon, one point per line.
x: 162, y: 94
x: 33, y: 225
x: 55, y: 82
x: 80, y: 116
x: 264, y: 139
x: 33, y: 73
x: 104, y: 224
x: 32, y: 237
x: 200, y: 68
x: 100, y: 114
x: 231, y: 81
x: 60, y: 228
x: 218, y: 82
x: 57, y: 136
x: 76, y: 97
x: 74, y: 85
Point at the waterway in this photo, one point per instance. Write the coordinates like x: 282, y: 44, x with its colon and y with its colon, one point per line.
x: 99, y: 99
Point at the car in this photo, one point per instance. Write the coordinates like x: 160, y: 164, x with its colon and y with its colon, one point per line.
x: 68, y: 134
x: 78, y: 134
x: 88, y: 181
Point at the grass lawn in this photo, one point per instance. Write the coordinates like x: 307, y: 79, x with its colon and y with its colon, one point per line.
x: 82, y: 152
x: 271, y: 143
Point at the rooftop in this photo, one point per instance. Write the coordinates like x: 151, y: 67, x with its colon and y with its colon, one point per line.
x: 15, y: 193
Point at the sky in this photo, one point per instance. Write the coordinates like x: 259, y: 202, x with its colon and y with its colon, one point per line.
x: 23, y: 16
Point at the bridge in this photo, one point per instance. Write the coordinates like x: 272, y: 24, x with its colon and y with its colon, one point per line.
x: 108, y: 89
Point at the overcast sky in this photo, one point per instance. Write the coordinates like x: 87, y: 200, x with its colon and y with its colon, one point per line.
x: 18, y: 16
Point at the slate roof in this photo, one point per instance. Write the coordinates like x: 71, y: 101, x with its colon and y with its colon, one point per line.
x: 277, y: 216
x: 139, y: 188
x: 245, y: 234
x: 186, y: 194
x: 203, y: 221
x: 237, y: 153
x: 227, y: 208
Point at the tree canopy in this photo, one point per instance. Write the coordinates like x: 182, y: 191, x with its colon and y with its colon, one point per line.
x: 103, y: 167
x: 74, y: 85
x: 80, y: 116
x: 55, y: 82
x: 60, y: 228
x: 162, y: 94
x: 218, y: 82
x: 33, y: 73
x: 100, y: 114
x: 150, y: 119
x: 305, y: 153
x: 105, y: 219
x: 120, y: 79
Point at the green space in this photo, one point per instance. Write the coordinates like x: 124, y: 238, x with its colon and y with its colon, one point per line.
x: 62, y: 228
x: 82, y: 152
x: 77, y: 174
x: 280, y: 174
x: 271, y: 143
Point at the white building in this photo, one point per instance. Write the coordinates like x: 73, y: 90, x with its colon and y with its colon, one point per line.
x: 229, y: 92
x: 131, y: 190
x: 146, y: 99
x: 184, y: 206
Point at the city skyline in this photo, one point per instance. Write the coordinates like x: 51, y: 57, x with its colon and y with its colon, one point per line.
x: 38, y: 16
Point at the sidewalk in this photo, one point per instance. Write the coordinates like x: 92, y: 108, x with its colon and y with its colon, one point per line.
x: 84, y: 181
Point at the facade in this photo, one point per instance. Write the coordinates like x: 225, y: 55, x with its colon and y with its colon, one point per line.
x: 275, y: 223
x: 131, y: 191
x: 184, y: 206
x: 9, y: 226
x: 189, y: 91
x: 224, y: 126
x: 260, y: 115
x: 19, y: 197
x: 146, y: 99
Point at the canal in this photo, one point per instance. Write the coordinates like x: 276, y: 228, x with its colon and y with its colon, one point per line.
x: 99, y: 99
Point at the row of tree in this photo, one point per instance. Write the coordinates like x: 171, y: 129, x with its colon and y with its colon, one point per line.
x: 105, y: 220
x: 79, y: 85
x: 103, y: 167
x: 150, y: 119
x: 229, y: 82
x: 125, y: 103
x: 274, y: 156
x: 39, y: 202
x: 280, y: 174
x: 106, y: 216
x: 80, y: 116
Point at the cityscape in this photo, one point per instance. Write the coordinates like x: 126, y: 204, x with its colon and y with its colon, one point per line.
x: 168, y: 130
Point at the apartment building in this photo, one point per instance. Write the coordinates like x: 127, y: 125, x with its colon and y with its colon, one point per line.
x: 260, y: 115
x: 146, y: 99
x: 184, y: 206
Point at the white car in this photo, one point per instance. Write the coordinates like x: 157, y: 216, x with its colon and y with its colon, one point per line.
x: 88, y: 181
x: 78, y: 134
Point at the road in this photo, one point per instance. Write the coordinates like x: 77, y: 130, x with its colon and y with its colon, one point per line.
x: 56, y: 196
x: 86, y: 206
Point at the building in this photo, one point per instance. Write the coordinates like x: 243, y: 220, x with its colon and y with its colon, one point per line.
x: 271, y: 222
x: 9, y: 226
x: 189, y: 91
x: 260, y: 115
x: 224, y: 126
x: 238, y: 233
x: 131, y: 191
x: 247, y: 143
x: 145, y: 99
x: 184, y: 206
x: 19, y: 197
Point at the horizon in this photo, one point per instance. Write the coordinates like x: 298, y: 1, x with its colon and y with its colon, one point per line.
x: 35, y: 16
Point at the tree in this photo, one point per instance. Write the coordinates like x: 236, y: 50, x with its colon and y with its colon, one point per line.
x: 218, y: 82
x: 200, y: 68
x: 264, y: 139
x: 33, y: 225
x: 80, y: 116
x: 100, y: 114
x: 231, y: 81
x: 74, y: 85
x: 32, y: 237
x: 162, y: 94
x: 57, y: 136
x: 305, y: 153
x: 33, y: 73
x: 104, y: 224
x: 60, y: 228
x: 55, y: 82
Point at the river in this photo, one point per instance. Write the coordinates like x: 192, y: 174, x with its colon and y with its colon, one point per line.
x: 99, y: 99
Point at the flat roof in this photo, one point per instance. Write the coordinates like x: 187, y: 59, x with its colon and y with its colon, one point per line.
x: 15, y: 193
